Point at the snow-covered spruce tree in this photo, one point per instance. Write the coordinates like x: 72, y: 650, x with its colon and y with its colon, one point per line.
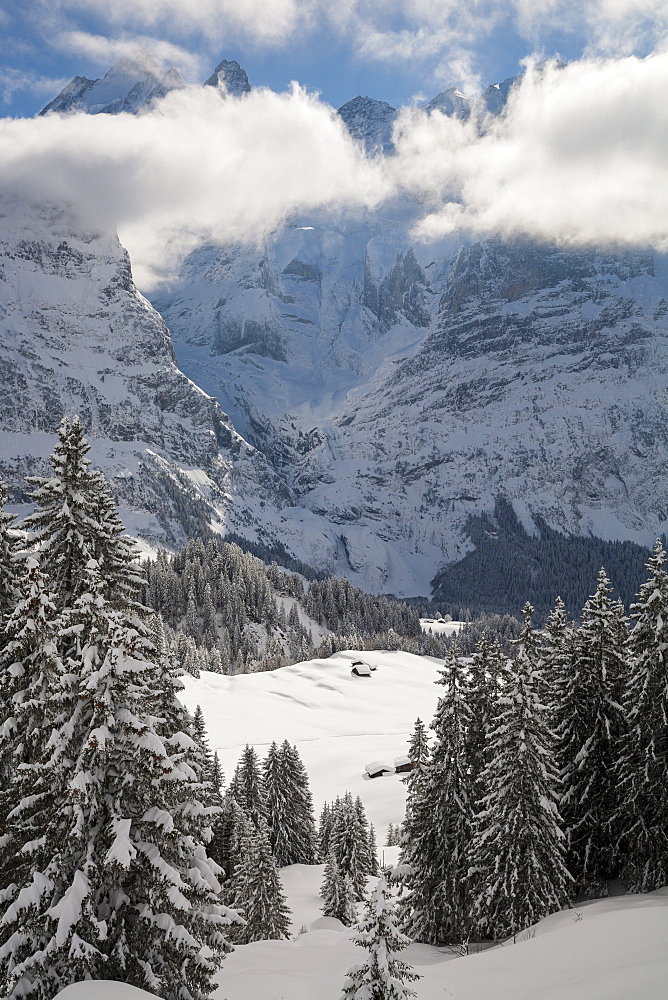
x: 484, y: 678
x: 369, y: 835
x: 589, y: 730
x: 114, y: 552
x: 289, y: 807
x: 10, y: 567
x: 65, y: 518
x: 518, y: 869
x: 382, y: 976
x: 258, y: 893
x: 640, y: 821
x: 303, y: 837
x: 118, y: 884
x: 35, y: 695
x: 247, y: 786
x: 415, y: 826
x: 440, y: 824
x: 557, y: 651
x: 325, y: 830
x: 349, y: 841
x: 337, y: 893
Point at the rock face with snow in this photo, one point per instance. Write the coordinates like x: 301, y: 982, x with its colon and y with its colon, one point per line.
x: 133, y: 83
x: 229, y: 75
x: 370, y: 122
x: 399, y: 388
x: 77, y: 337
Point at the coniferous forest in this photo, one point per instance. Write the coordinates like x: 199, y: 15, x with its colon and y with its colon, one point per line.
x: 125, y: 855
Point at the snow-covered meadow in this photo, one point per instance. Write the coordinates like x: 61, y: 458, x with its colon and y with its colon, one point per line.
x: 609, y: 949
x: 339, y: 722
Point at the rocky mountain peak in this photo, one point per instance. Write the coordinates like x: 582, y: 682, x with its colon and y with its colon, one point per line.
x: 231, y: 76
x: 132, y: 83
x: 450, y: 102
x: 370, y: 122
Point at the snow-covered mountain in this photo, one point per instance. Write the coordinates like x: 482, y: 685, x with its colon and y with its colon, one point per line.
x: 394, y: 390
x: 131, y: 84
x: 229, y: 75
x: 77, y: 337
x: 371, y: 122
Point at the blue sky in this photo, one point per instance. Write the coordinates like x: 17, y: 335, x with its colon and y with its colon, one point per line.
x: 395, y: 50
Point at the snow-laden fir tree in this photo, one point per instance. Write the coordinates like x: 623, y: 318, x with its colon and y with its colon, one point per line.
x: 35, y: 695
x: 518, y: 870
x: 113, y: 550
x: 589, y: 730
x: 247, y: 786
x: 484, y: 678
x: 350, y: 842
x: 65, y: 518
x: 440, y: 824
x: 383, y: 976
x: 337, y: 893
x: 289, y: 807
x: 258, y: 893
x: 118, y: 885
x: 557, y: 651
x: 325, y: 830
x: 416, y: 827
x: 369, y: 836
x: 10, y: 565
x: 640, y: 821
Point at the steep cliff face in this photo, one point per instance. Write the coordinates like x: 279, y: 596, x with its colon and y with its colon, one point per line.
x: 77, y: 337
x: 400, y: 389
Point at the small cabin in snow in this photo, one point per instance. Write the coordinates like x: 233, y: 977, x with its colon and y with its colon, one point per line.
x: 361, y: 669
x: 376, y: 769
x: 403, y: 764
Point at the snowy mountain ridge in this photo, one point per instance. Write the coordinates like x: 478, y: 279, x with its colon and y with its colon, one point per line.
x: 135, y: 82
x: 391, y: 390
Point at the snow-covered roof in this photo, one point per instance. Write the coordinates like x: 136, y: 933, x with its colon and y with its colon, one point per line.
x: 378, y: 765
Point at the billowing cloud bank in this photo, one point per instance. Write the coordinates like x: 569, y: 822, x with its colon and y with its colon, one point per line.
x: 580, y: 157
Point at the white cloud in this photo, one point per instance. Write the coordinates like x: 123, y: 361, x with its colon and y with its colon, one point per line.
x: 105, y: 51
x: 199, y: 167
x: 580, y: 157
x: 265, y: 21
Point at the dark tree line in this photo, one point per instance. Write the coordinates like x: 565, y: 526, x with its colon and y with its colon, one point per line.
x: 226, y: 610
x: 509, y: 566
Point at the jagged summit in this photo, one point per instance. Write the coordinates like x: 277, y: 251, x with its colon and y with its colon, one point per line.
x: 132, y: 83
x: 370, y: 121
x: 495, y: 97
x: 451, y: 102
x: 231, y: 76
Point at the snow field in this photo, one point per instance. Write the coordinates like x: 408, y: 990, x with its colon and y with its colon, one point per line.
x: 338, y: 722
x: 610, y: 949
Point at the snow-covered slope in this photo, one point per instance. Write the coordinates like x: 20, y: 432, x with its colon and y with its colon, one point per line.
x: 131, y: 84
x: 339, y: 722
x: 612, y: 949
